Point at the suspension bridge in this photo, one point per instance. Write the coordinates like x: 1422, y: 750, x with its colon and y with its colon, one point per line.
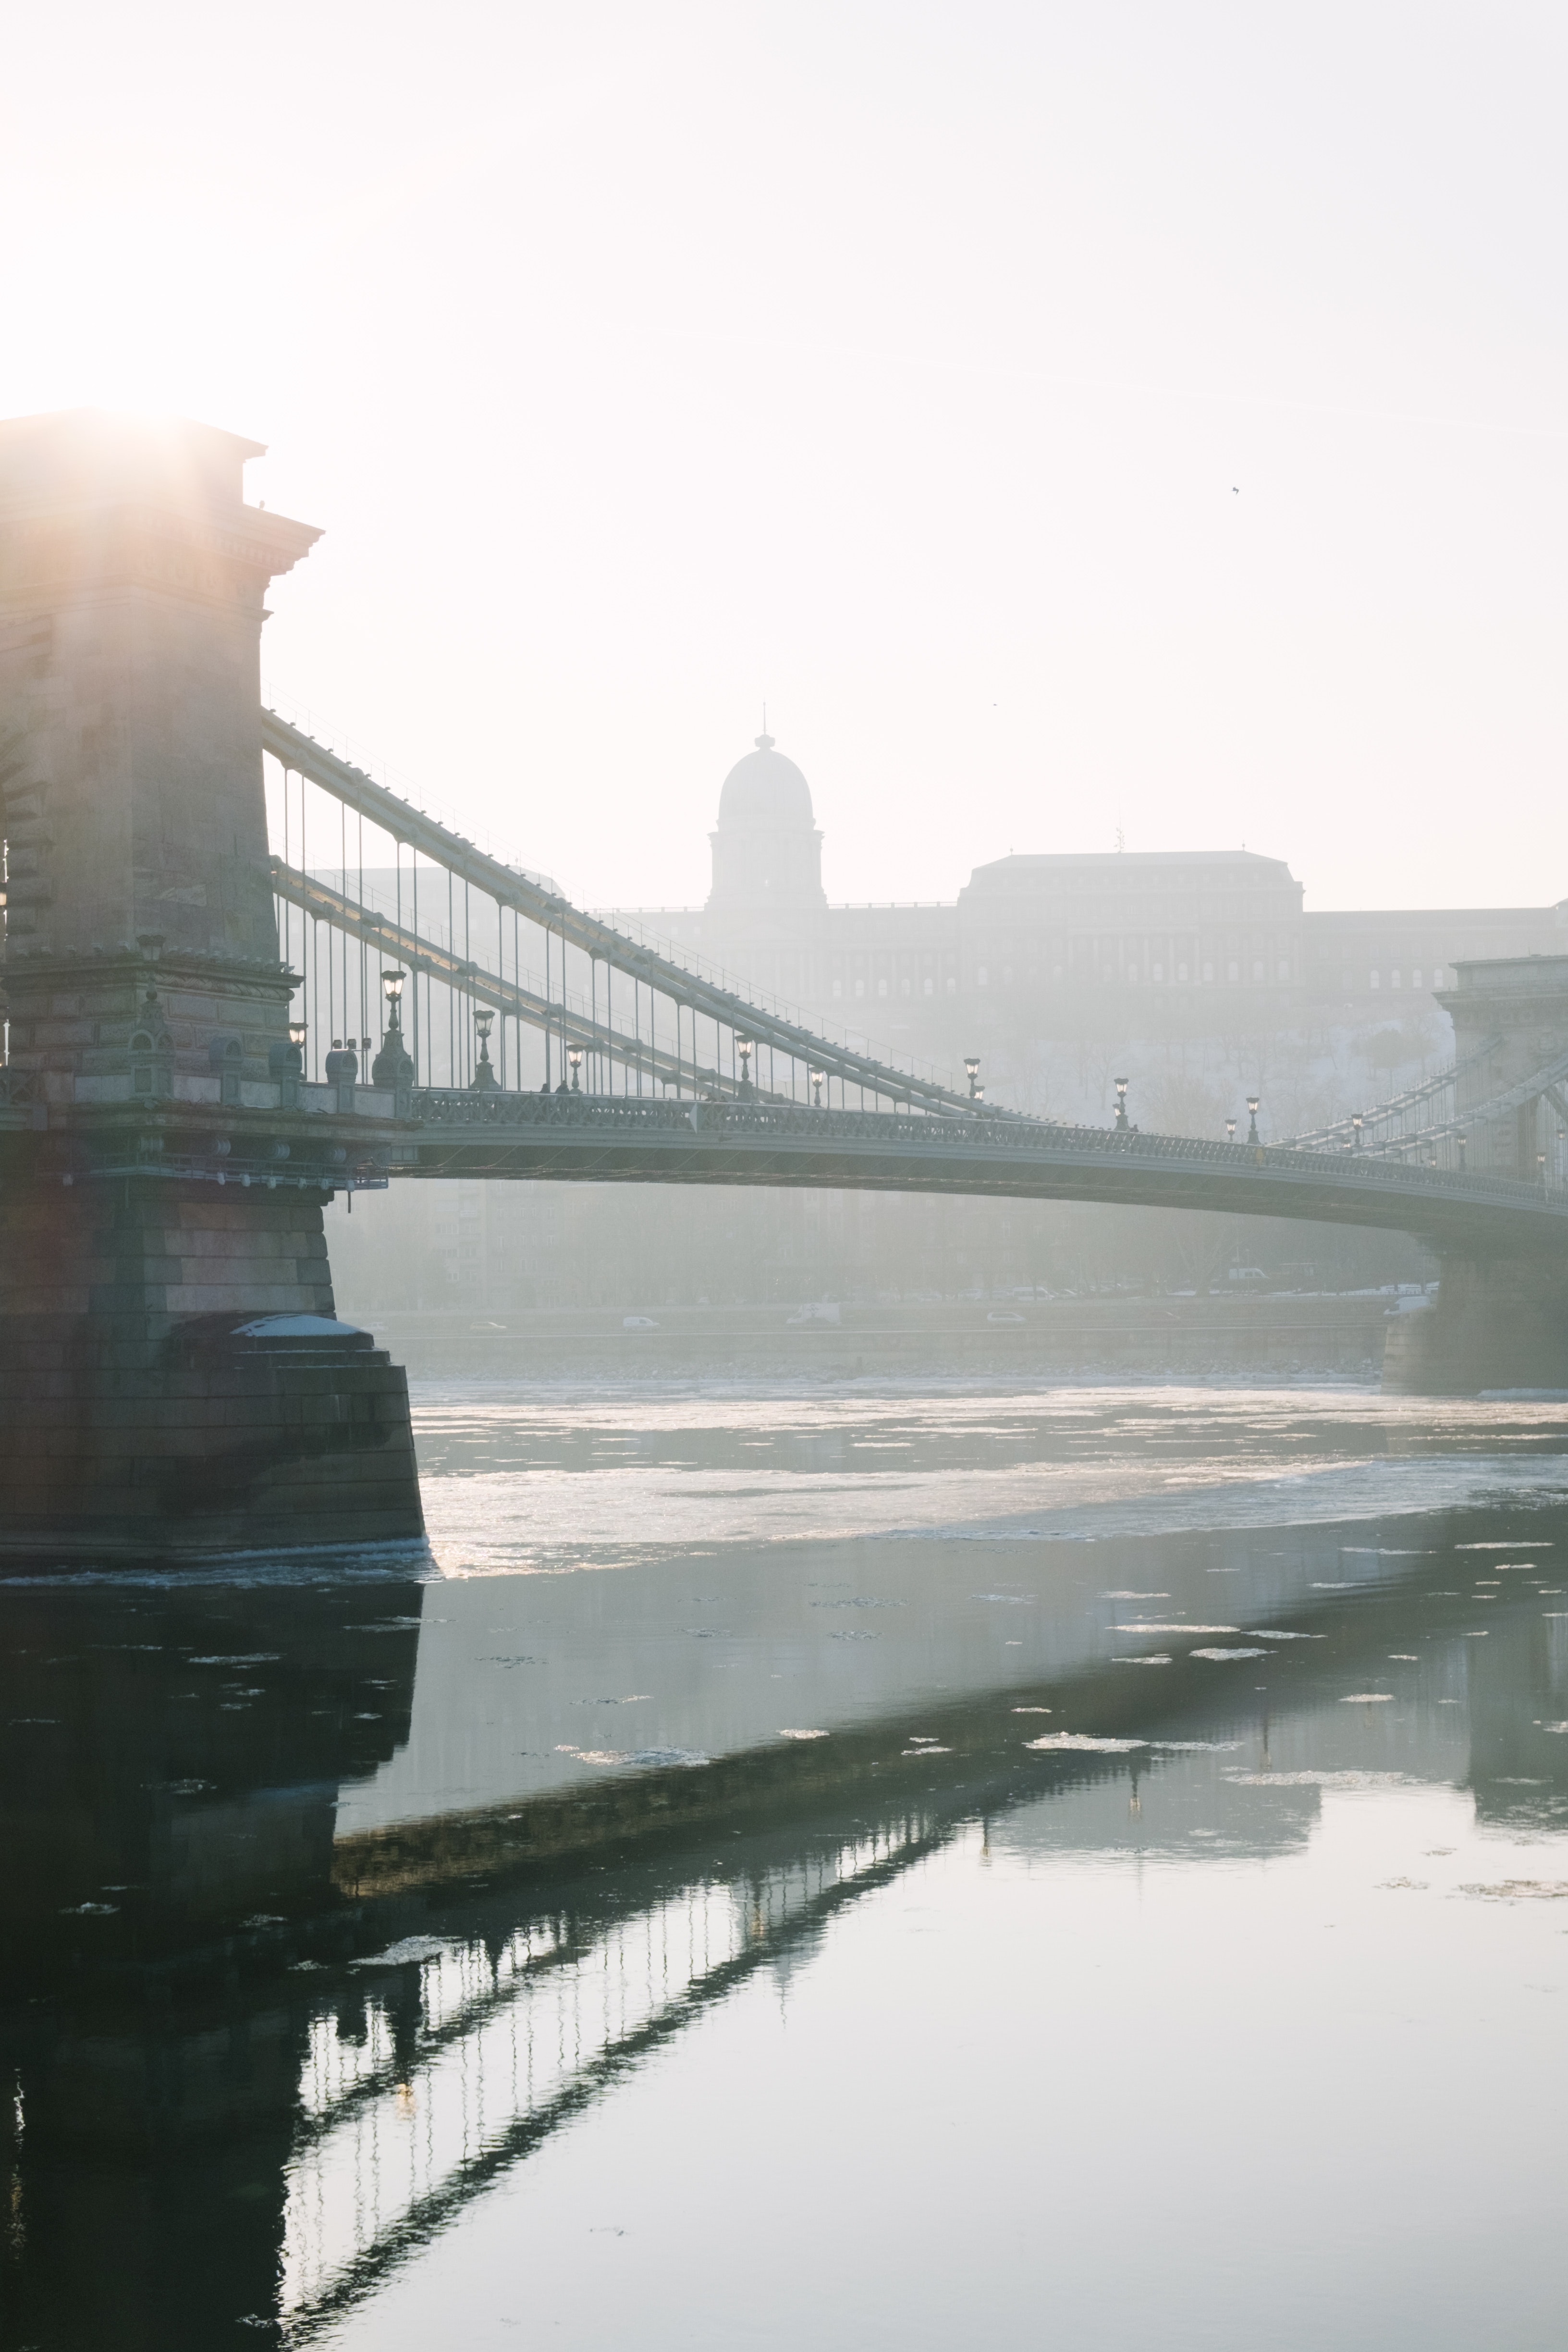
x: 243, y: 973
x: 690, y: 1081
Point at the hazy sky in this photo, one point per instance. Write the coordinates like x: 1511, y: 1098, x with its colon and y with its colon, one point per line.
x: 1070, y: 417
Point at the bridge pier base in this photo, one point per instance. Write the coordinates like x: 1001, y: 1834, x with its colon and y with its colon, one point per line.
x: 1499, y: 1323
x: 173, y: 1380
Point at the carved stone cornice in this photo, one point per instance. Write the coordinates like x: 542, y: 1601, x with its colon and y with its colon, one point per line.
x: 54, y: 556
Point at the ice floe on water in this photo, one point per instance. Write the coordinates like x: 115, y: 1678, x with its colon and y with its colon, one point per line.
x: 1088, y: 1743
x: 1221, y: 1657
x: 1175, y: 1629
x: 406, y: 1949
x: 1511, y: 1543
x: 1311, y: 1779
x: 643, y: 1757
x: 1511, y: 1890
x: 1090, y: 1473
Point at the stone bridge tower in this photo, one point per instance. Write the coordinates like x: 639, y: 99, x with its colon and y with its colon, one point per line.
x: 171, y: 1373
x: 1511, y: 1021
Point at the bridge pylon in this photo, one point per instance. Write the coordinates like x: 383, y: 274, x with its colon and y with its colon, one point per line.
x: 173, y: 1376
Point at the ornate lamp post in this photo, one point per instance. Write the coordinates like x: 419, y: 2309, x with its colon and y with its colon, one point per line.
x: 743, y: 1048
x: 817, y: 1082
x: 288, y: 1064
x: 1123, y: 1121
x: 1461, y: 1139
x: 1252, y: 1102
x: 1357, y: 1123
x: 574, y: 1059
x: 484, y: 1078
x: 392, y: 1066
x: 1230, y: 1130
x: 971, y: 1064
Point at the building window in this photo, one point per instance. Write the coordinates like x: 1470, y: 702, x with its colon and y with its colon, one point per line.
x: 1208, y: 972
x: 1181, y: 971
x: 1284, y: 968
x: 1235, y: 971
x: 1393, y: 980
x: 904, y: 990
x: 929, y: 984
x: 1258, y: 968
x: 1416, y: 978
x: 859, y: 987
x: 1374, y: 980
x: 838, y: 988
x: 881, y: 988
x: 1159, y: 971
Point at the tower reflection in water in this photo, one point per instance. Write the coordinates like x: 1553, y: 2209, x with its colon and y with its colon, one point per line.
x: 172, y: 1764
x: 253, y: 2066
x: 246, y: 2076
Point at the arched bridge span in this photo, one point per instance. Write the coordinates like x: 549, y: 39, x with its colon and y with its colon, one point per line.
x: 630, y: 1140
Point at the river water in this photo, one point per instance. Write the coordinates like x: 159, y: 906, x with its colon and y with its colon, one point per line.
x: 934, y: 1866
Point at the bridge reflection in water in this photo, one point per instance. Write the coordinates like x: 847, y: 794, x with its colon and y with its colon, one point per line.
x: 257, y: 2067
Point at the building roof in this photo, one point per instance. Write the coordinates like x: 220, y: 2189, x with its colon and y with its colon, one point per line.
x: 765, y: 788
x: 1052, y: 869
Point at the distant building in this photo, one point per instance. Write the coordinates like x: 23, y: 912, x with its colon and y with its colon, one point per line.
x: 1152, y: 942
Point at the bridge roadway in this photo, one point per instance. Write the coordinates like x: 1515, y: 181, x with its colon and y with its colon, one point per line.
x: 631, y: 1140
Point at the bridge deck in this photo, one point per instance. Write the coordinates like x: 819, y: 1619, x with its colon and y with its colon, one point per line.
x: 628, y: 1139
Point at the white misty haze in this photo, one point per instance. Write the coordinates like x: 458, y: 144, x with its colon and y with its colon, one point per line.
x: 1068, y: 417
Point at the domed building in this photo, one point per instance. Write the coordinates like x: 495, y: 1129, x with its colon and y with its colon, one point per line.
x: 767, y: 851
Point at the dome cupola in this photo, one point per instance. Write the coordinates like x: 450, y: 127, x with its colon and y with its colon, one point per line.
x: 767, y: 851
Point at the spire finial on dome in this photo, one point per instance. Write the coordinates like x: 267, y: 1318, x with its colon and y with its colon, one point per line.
x: 764, y: 742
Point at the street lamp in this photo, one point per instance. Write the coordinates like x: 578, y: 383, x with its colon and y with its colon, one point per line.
x: 1121, y: 1120
x: 1461, y: 1139
x: 1357, y: 1123
x: 484, y: 1077
x: 1252, y: 1102
x: 1230, y: 1130
x: 575, y: 1058
x: 971, y: 1064
x: 743, y: 1048
x: 296, y: 1033
x: 817, y: 1077
x: 393, y: 1066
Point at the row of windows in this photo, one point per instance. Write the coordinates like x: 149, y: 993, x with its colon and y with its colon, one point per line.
x: 1179, y: 972
x: 905, y: 956
x: 906, y: 987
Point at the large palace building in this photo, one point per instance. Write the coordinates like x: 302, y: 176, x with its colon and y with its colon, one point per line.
x: 1134, y: 944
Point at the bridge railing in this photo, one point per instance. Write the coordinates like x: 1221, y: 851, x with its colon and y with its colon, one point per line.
x: 439, y: 1109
